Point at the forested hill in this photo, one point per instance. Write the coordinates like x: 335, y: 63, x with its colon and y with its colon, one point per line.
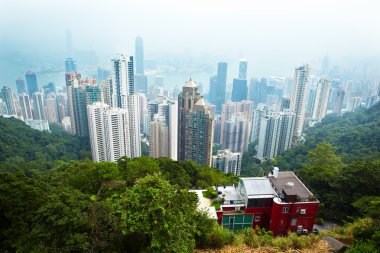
x: 21, y: 144
x: 354, y: 135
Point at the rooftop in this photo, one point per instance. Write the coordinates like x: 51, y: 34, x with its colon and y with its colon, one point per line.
x: 289, y: 183
x: 258, y: 187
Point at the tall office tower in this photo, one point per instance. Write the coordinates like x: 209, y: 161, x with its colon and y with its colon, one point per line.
x: 107, y: 91
x: 354, y: 103
x: 31, y: 82
x: 298, y: 101
x: 276, y: 132
x: 339, y: 100
x: 72, y: 80
x: 3, y: 108
x: 38, y: 106
x: 108, y: 132
x: 252, y: 93
x: 26, y: 108
x: 7, y: 96
x: 243, y: 69
x: 285, y: 103
x: 141, y: 78
x: 21, y: 87
x: 51, y: 108
x: 168, y: 110
x: 199, y: 134
x: 195, y: 126
x: 321, y: 99
x: 258, y: 91
x: 139, y: 53
x: 158, y: 138
x: 236, y: 133
x: 260, y: 112
x: 124, y: 97
x: 227, y: 162
x: 220, y: 87
x: 70, y: 65
x: 229, y: 109
x: 239, y: 90
x: 69, y: 43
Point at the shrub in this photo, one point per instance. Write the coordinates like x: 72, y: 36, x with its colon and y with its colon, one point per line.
x: 319, y: 221
x: 219, y: 237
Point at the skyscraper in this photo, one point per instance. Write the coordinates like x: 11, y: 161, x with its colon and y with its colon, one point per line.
x: 70, y: 65
x: 31, y: 82
x: 38, y: 106
x: 124, y: 97
x: 227, y: 162
x: 260, y: 112
x: 218, y: 87
x: 285, y: 103
x: 243, y: 69
x: 26, y: 108
x: 298, y: 101
x: 139, y: 53
x: 72, y: 80
x: 7, y: 96
x: 195, y: 126
x: 21, y: 87
x: 276, y: 133
x: 239, y: 90
x: 108, y: 132
x: 141, y: 78
x: 321, y: 99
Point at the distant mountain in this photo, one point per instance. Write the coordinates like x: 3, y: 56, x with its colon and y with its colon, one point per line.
x: 355, y: 135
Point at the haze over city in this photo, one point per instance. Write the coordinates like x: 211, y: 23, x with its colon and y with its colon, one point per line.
x: 274, y: 36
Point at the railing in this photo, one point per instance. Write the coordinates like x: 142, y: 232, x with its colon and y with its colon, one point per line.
x: 233, y: 202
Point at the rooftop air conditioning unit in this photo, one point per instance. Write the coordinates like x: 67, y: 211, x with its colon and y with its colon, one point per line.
x: 303, y: 211
x: 237, y: 208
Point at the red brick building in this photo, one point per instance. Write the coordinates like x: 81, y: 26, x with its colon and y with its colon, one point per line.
x: 279, y: 203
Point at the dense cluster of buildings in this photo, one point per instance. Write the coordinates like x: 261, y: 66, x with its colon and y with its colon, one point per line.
x: 117, y: 112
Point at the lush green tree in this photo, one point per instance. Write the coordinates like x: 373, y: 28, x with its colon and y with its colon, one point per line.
x: 133, y: 169
x: 159, y: 212
x: 369, y: 205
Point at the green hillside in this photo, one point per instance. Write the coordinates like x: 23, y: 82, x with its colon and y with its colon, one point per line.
x: 354, y: 135
x: 20, y: 144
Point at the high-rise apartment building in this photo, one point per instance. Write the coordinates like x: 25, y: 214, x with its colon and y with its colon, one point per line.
x: 195, y: 126
x: 72, y: 81
x: 276, y: 131
x: 124, y: 97
x: 158, y: 137
x: 51, y: 108
x: 38, y: 106
x: 260, y: 112
x: 108, y: 132
x: 227, y: 162
x: 298, y: 101
x: 31, y: 82
x: 26, y: 108
x: 236, y: 133
x: 7, y: 96
x: 339, y: 101
x: 321, y: 99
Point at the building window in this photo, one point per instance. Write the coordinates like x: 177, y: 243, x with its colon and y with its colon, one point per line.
x: 257, y: 218
x: 294, y: 221
x: 285, y: 209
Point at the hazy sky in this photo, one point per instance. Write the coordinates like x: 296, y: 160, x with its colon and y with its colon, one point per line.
x: 274, y: 36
